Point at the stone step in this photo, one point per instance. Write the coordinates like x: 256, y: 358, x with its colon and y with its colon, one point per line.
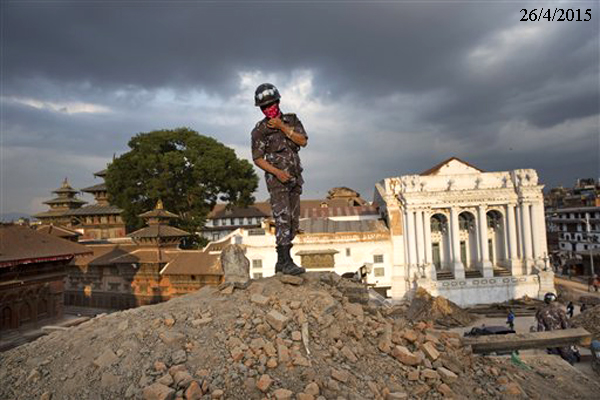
x: 470, y: 274
x: 499, y: 271
x: 444, y: 275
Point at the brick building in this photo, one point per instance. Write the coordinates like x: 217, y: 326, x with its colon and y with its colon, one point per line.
x: 32, y: 269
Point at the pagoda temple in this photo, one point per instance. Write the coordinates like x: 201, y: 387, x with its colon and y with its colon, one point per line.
x: 61, y: 207
x: 151, y: 269
x: 100, y: 220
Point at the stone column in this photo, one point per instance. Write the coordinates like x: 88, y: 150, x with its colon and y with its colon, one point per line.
x: 519, y: 230
x: 539, y: 237
x: 526, y: 229
x: 459, y: 268
x: 535, y: 233
x: 484, y: 255
x: 512, y: 238
x: 420, y: 237
x: 410, y: 235
x: 429, y: 267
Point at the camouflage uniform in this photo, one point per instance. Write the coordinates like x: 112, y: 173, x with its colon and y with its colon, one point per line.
x: 550, y: 318
x: 282, y: 153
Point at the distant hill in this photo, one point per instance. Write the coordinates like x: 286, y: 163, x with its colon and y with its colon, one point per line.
x: 10, y: 217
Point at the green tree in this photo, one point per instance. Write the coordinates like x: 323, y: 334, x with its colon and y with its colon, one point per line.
x: 188, y: 171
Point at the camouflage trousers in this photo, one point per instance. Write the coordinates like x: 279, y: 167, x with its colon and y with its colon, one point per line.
x: 285, y: 203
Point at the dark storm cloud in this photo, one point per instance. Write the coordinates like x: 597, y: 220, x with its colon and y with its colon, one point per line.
x: 408, y: 84
x: 379, y: 47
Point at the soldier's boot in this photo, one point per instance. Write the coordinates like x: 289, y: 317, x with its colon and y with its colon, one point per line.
x: 290, y: 267
x: 281, y: 259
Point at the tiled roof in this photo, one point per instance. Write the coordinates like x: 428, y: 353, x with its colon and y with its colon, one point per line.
x: 65, y: 200
x: 193, y: 263
x: 324, y: 225
x: 345, y: 211
x: 100, y: 174
x: 19, y: 244
x: 101, y: 187
x: 95, y: 209
x: 154, y: 231
x: 57, y: 231
x: 158, y: 213
x: 51, y: 213
x: 255, y: 210
x: 104, y: 254
x: 143, y: 256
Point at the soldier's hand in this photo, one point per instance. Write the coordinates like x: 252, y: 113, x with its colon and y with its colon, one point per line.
x: 275, y: 123
x: 283, y: 176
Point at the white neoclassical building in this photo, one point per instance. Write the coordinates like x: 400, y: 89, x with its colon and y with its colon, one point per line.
x: 471, y: 236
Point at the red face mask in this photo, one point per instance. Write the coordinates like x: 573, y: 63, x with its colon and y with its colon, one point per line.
x: 272, y: 111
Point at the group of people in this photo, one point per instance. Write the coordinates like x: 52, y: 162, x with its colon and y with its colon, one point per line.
x: 571, y: 308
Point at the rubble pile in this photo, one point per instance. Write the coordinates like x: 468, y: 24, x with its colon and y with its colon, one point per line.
x: 443, y: 312
x: 590, y: 320
x: 524, y: 306
x: 281, y: 337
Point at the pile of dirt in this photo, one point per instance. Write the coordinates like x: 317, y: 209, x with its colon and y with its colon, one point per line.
x: 277, y: 338
x: 439, y: 310
x: 590, y: 320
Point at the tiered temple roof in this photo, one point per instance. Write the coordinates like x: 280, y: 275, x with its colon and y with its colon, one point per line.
x: 158, y: 232
x: 62, y: 205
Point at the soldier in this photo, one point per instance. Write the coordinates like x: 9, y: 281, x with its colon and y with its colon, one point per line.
x: 550, y: 318
x: 276, y: 141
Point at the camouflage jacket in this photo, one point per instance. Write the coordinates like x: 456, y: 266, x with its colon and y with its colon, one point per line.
x: 277, y: 149
x: 550, y: 318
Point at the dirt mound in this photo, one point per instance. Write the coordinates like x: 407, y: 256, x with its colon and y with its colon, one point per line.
x: 279, y: 338
x: 439, y: 310
x: 590, y: 320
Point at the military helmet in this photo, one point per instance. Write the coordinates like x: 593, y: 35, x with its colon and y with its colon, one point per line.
x: 549, y: 297
x: 266, y: 94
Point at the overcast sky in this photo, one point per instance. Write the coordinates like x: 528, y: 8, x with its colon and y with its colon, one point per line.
x: 383, y: 89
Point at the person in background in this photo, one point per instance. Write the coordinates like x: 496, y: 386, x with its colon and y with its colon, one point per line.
x: 510, y: 319
x: 570, y: 309
x: 583, y: 307
x: 550, y: 318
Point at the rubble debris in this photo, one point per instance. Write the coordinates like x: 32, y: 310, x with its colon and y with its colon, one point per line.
x: 250, y: 350
x: 590, y: 320
x: 443, y: 312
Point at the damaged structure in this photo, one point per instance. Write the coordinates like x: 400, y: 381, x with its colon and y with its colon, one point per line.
x: 468, y: 235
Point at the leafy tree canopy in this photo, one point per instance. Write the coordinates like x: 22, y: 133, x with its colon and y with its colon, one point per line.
x: 188, y: 171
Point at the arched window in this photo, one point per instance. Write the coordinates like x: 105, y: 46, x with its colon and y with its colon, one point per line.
x: 494, y: 219
x: 439, y: 223
x: 466, y: 221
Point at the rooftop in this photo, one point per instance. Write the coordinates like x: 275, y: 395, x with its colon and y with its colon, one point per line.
x: 96, y: 209
x: 323, y: 225
x: 193, y: 263
x: 57, y: 231
x: 23, y: 245
x: 156, y: 231
x: 101, y: 187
